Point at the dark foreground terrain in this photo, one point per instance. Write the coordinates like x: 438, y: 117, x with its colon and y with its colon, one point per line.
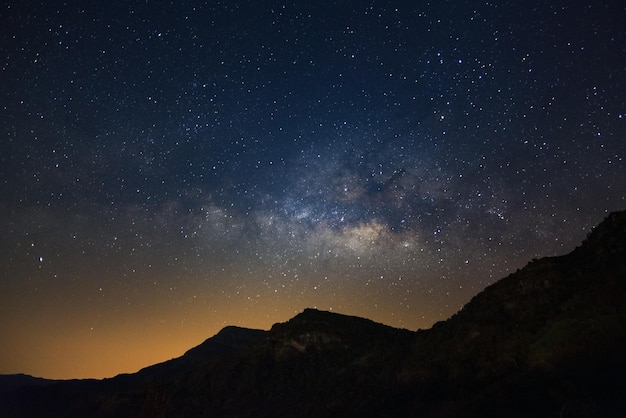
x: 546, y: 341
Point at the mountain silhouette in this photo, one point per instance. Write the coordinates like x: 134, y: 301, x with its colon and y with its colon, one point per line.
x: 547, y: 340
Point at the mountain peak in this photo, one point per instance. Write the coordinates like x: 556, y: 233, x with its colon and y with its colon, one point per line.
x: 228, y: 339
x: 312, y: 318
x: 320, y: 330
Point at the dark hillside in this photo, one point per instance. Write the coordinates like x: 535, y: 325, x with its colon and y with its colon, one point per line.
x: 549, y: 337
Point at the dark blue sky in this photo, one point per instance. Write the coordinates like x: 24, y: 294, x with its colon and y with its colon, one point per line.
x: 196, y: 164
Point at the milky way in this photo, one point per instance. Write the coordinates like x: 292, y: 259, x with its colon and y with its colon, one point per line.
x: 171, y: 168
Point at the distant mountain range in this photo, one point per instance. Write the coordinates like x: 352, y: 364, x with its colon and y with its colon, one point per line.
x: 547, y: 341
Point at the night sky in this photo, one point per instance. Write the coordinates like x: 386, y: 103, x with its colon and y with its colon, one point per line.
x: 170, y: 168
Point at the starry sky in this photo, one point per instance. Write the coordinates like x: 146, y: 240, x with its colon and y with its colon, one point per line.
x: 170, y: 168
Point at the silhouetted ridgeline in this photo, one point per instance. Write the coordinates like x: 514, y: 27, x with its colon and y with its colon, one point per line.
x: 547, y: 341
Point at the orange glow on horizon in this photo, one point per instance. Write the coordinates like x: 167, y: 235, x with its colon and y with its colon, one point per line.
x: 62, y: 345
